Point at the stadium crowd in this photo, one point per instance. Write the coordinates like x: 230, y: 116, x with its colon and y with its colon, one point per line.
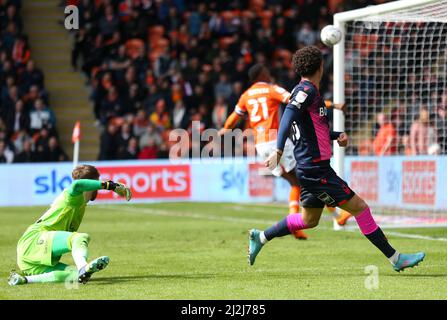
x: 396, y: 78
x: 159, y: 65
x: 27, y: 123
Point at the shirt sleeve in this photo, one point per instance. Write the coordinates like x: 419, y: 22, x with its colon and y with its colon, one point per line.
x: 284, y: 126
x: 83, y: 185
x: 335, y: 134
x: 279, y: 94
x: 301, y: 98
x: 241, y: 108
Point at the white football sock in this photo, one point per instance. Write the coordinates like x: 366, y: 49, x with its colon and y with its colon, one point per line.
x: 393, y: 259
x: 79, y: 257
x: 41, y: 278
x: 262, y: 237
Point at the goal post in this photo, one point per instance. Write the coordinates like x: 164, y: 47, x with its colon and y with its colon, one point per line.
x: 390, y: 68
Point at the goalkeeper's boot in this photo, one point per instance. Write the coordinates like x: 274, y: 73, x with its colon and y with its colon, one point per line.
x: 254, y: 245
x: 300, y: 235
x: 94, y: 266
x: 16, y: 279
x: 408, y: 261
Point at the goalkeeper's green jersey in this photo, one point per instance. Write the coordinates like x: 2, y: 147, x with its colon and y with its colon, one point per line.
x: 65, y: 214
x: 67, y: 210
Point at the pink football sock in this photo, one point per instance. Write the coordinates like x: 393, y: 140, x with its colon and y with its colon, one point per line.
x: 295, y: 222
x: 366, y: 222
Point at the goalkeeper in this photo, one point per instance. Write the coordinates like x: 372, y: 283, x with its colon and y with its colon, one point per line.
x: 42, y: 245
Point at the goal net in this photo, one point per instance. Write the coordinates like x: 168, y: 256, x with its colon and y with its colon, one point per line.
x: 393, y: 64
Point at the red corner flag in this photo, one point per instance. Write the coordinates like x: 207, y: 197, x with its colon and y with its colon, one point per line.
x: 76, y: 132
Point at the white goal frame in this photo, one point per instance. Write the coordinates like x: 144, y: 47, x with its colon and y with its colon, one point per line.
x: 339, y: 65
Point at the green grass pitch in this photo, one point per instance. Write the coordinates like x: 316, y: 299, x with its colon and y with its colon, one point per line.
x: 199, y: 251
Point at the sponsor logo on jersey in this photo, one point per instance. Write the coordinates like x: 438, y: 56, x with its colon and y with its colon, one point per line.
x: 327, y: 199
x: 301, y: 96
x: 323, y: 111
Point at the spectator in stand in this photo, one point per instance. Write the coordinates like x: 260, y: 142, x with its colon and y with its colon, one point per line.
x: 112, y: 106
x: 18, y: 140
x: 422, y: 134
x: 109, y: 143
x: 10, y: 100
x: 18, y: 119
x: 150, y: 150
x: 193, y: 53
x: 151, y: 134
x: 2, y: 152
x: 32, y: 95
x: 41, y: 141
x: 180, y: 116
x: 20, y: 51
x: 220, y: 112
x: 6, y: 154
x: 223, y: 87
x: 80, y: 46
x: 124, y: 136
x: 306, y: 35
x: 24, y: 101
x: 54, y: 152
x: 385, y: 142
x: 41, y: 116
x: 441, y: 128
x: 27, y: 154
x: 31, y: 76
x: 160, y: 117
x: 131, y: 151
x: 140, y: 123
x: 109, y: 23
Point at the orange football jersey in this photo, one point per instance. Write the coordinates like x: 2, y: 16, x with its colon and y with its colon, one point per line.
x: 261, y: 102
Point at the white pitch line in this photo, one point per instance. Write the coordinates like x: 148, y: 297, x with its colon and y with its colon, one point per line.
x: 415, y: 236
x: 402, y: 235
x: 185, y: 214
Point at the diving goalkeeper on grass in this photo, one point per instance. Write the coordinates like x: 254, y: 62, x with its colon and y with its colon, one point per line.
x: 42, y: 245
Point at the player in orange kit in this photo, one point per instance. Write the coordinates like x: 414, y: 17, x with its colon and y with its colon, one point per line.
x: 261, y: 103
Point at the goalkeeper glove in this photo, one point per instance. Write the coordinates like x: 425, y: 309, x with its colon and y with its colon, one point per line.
x: 119, y: 188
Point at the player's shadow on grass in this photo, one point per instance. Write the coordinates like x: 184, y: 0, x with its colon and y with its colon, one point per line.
x: 118, y: 279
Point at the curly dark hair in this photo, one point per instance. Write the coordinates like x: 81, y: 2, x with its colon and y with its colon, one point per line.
x: 307, y: 61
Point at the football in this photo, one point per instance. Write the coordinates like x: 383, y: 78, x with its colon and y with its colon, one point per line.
x: 330, y: 35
